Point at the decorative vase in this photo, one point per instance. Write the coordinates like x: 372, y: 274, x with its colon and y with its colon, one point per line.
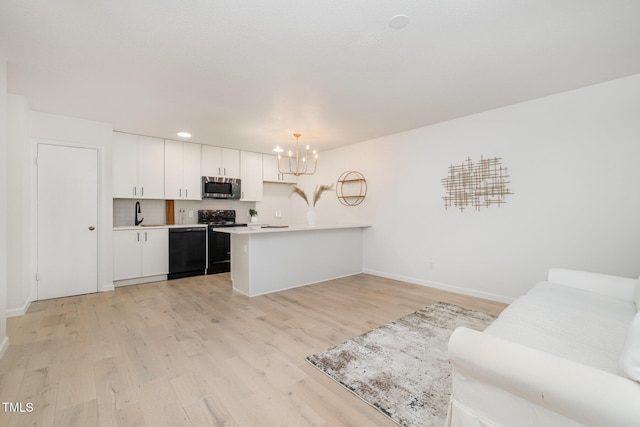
x: 312, y: 216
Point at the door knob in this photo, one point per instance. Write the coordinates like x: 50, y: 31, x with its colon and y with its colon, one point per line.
x: 92, y: 228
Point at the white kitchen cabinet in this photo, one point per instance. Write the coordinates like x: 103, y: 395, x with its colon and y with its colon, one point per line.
x: 270, y: 171
x: 138, y: 167
x: 251, y: 176
x: 140, y: 253
x: 182, y: 170
x: 155, y: 251
x: 218, y: 161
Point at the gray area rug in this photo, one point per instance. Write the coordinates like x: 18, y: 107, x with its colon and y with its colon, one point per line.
x: 402, y: 368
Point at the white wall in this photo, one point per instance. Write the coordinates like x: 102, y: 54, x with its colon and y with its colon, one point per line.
x: 4, y: 340
x: 275, y: 198
x: 573, y: 161
x: 19, y: 263
x: 72, y: 131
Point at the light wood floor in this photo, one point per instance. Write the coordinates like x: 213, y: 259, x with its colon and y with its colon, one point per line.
x: 192, y: 352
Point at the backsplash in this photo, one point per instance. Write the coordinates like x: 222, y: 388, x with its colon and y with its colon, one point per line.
x: 154, y: 212
x: 124, y: 214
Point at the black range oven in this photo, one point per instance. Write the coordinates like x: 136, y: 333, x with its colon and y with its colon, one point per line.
x: 218, y: 244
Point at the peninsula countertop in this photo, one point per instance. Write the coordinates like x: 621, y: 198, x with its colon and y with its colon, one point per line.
x: 262, y: 229
x: 265, y: 260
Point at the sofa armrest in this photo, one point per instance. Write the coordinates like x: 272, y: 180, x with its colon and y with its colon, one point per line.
x: 579, y: 392
x: 623, y: 288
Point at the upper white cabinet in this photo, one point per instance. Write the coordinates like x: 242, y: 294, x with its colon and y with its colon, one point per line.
x: 270, y: 171
x: 218, y: 161
x: 182, y: 170
x: 138, y: 166
x: 251, y: 176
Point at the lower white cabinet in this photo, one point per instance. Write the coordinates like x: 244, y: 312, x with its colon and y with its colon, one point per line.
x: 140, y: 253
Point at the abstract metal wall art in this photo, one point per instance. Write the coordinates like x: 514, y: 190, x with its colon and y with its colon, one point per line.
x: 479, y: 184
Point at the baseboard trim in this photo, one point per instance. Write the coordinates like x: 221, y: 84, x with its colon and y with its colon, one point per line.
x: 442, y: 286
x: 108, y: 288
x: 296, y: 286
x: 139, y: 280
x: 20, y: 311
x: 4, y: 346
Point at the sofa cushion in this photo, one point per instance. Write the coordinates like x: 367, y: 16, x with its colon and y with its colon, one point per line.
x: 579, y: 325
x: 630, y: 356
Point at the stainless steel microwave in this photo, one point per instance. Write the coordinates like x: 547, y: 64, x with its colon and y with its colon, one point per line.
x: 218, y: 187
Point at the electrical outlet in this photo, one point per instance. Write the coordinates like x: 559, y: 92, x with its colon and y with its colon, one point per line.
x: 190, y: 214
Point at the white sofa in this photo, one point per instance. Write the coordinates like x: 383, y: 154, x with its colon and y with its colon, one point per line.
x: 565, y: 354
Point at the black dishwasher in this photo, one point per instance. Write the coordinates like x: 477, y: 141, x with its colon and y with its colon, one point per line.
x: 187, y: 252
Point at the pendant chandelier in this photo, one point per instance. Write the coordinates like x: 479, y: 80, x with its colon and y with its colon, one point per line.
x: 298, y: 165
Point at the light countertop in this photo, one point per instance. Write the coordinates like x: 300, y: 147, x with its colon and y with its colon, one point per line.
x: 260, y: 229
x: 151, y: 226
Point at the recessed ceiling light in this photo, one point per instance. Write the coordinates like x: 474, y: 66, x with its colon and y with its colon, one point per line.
x: 399, y: 21
x: 184, y: 134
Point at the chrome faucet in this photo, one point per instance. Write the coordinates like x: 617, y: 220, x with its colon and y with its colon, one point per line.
x: 138, y: 221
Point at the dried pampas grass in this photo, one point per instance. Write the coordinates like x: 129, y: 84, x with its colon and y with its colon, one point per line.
x: 316, y: 194
x: 297, y: 190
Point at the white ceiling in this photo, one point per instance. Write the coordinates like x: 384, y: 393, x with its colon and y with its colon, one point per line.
x: 249, y: 73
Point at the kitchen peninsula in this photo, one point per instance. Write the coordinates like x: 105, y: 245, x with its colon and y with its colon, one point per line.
x: 265, y: 260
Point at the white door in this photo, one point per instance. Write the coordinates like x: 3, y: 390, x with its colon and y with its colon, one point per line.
x: 67, y: 221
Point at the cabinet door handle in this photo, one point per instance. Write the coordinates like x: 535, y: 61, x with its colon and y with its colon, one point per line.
x: 145, y: 236
x: 142, y: 191
x: 186, y: 193
x: 138, y: 233
x: 135, y: 191
x: 225, y: 171
x: 180, y: 191
x: 219, y: 171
